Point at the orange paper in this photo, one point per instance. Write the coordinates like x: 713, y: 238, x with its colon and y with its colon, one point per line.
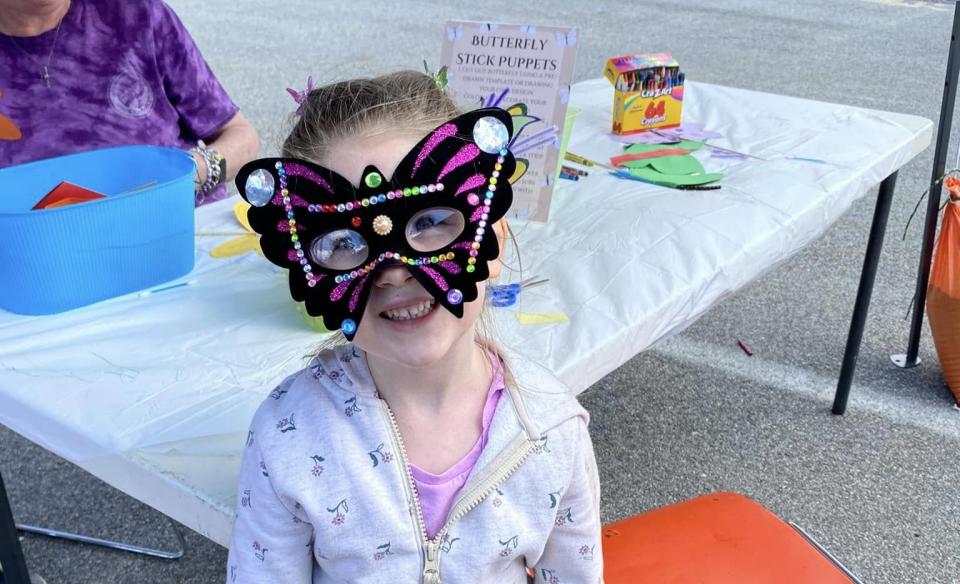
x: 66, y: 194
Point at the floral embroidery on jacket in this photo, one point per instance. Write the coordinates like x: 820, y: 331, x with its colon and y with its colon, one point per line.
x: 286, y: 424
x: 508, y: 546
x: 351, y: 406
x: 339, y: 517
x: 259, y: 552
x: 497, y: 501
x: 549, y: 576
x: 347, y: 357
x: 317, y: 469
x: 541, y: 446
x: 377, y: 455
x: 382, y: 552
x: 555, y: 498
x: 447, y: 543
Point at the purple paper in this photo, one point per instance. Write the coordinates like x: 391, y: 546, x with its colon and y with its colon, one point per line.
x: 644, y: 138
x: 686, y: 131
x: 726, y: 155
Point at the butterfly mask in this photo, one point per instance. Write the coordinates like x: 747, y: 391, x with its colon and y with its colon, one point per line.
x: 434, y: 216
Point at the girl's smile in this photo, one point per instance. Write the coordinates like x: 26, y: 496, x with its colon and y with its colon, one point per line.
x: 406, y: 311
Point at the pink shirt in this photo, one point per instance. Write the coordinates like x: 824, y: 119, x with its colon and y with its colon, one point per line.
x: 437, y: 492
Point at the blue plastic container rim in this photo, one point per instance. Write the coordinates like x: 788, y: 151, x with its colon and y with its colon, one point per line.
x: 25, y: 167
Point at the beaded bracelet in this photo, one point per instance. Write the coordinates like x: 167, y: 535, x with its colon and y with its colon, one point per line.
x: 211, y: 158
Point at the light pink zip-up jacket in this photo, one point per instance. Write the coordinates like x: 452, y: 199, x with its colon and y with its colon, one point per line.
x: 325, y: 496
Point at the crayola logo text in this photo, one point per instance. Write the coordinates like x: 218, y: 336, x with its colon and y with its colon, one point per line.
x: 656, y: 93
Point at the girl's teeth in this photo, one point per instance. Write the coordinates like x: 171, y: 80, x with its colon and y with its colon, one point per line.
x: 410, y: 313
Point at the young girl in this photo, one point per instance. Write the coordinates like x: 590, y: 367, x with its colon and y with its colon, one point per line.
x: 418, y: 452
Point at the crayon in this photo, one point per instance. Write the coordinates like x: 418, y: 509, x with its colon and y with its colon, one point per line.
x: 576, y: 171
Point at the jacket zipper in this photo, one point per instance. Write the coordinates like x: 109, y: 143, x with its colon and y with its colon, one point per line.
x: 520, y: 448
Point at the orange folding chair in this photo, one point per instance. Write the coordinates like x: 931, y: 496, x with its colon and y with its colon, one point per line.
x: 722, y: 538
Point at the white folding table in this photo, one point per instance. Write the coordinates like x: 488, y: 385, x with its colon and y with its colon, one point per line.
x: 153, y: 394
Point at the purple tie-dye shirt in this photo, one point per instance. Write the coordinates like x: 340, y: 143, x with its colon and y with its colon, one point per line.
x: 122, y: 72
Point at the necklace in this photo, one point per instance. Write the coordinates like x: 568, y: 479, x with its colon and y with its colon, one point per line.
x: 44, y: 67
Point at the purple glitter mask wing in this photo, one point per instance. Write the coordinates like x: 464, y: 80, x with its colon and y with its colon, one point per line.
x: 471, y: 183
x: 439, y: 135
x: 355, y: 296
x: 463, y: 156
x: 439, y: 280
x: 477, y: 214
x: 450, y: 267
x: 294, y: 169
x: 337, y: 293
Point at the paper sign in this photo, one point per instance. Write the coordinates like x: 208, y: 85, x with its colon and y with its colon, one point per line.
x: 503, y: 65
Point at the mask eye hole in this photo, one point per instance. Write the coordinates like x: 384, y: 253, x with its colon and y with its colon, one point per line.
x: 342, y: 249
x: 434, y: 228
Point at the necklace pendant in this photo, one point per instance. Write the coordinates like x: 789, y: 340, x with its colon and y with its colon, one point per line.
x: 45, y: 76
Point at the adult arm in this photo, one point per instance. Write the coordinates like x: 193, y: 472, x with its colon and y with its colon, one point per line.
x: 205, y: 109
x: 237, y: 141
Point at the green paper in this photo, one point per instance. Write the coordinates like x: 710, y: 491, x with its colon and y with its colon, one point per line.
x: 674, y: 180
x: 519, y: 122
x: 642, y: 163
x: 678, y: 164
x: 683, y: 144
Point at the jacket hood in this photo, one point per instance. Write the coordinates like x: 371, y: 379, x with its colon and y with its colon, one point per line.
x: 541, y: 400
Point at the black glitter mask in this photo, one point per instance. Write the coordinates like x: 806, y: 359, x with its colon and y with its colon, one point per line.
x: 435, y: 216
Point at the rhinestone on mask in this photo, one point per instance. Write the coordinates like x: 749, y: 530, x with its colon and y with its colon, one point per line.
x: 382, y: 225
x: 348, y: 326
x: 259, y: 187
x: 490, y: 134
x: 373, y: 180
x: 454, y: 296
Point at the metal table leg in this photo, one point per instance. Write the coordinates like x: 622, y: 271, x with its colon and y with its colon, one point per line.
x: 911, y: 359
x: 11, y: 554
x: 867, y: 277
x: 110, y: 543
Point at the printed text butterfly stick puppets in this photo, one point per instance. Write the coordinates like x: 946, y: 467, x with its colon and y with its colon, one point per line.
x: 333, y: 236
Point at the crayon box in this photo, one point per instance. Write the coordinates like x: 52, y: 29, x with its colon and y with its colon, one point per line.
x: 647, y: 92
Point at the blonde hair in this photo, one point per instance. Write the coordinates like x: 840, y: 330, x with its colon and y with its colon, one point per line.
x: 403, y: 102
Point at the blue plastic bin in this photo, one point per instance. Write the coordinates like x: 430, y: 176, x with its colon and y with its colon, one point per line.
x: 56, y: 259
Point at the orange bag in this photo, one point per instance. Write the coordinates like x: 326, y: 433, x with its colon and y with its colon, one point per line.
x: 943, y: 293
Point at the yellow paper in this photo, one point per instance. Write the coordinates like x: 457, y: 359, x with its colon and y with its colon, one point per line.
x: 540, y: 317
x: 242, y: 244
x: 520, y: 170
x: 240, y: 212
x: 237, y: 246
